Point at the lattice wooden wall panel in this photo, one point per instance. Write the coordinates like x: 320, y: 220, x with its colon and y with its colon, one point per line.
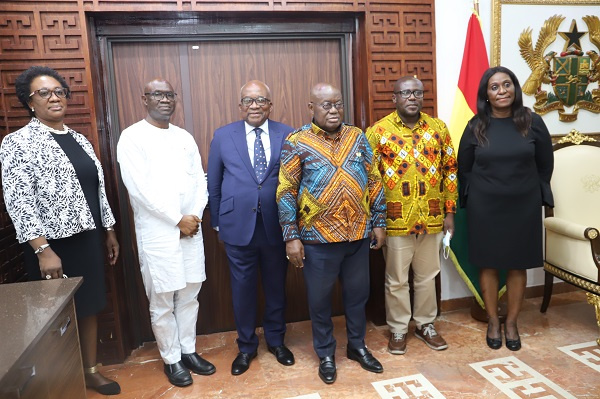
x: 398, y: 40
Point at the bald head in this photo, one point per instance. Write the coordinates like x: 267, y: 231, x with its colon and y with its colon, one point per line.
x: 256, y: 84
x: 405, y: 79
x: 148, y: 88
x: 320, y: 90
x: 159, y: 102
x: 255, y: 103
x: 326, y: 107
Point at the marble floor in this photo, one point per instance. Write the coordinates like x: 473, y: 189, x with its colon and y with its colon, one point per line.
x: 559, y: 359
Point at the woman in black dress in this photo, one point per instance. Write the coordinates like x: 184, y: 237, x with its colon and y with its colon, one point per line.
x: 505, y: 162
x: 54, y: 193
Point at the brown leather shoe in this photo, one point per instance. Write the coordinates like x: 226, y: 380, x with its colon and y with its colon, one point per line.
x: 397, y: 344
x: 428, y: 335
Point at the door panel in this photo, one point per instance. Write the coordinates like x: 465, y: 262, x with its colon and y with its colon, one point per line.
x: 289, y: 67
x: 208, y: 81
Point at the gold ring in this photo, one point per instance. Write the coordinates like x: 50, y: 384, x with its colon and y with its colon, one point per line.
x: 48, y: 277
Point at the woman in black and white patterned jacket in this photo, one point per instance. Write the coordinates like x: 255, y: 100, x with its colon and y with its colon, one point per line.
x: 54, y: 193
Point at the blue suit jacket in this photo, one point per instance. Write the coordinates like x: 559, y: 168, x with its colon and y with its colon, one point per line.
x: 234, y: 191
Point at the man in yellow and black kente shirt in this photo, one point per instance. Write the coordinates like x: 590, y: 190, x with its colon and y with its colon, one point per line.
x: 417, y: 163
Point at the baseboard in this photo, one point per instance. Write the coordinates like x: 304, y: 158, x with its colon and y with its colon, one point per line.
x: 530, y: 292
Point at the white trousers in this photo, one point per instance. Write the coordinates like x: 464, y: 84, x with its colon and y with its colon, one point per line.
x: 173, y: 316
x: 423, y: 252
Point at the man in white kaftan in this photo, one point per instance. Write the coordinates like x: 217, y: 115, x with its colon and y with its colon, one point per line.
x: 162, y: 170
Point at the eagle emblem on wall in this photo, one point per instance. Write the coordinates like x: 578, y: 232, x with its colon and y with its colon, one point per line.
x: 569, y: 73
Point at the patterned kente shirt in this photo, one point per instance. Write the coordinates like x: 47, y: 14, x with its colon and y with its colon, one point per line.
x: 418, y: 168
x: 329, y: 189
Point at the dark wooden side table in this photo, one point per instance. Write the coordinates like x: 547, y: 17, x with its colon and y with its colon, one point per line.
x: 40, y: 355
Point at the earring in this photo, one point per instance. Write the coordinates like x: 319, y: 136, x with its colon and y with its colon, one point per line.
x: 32, y: 110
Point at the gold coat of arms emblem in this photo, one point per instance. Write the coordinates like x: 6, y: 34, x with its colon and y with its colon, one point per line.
x: 568, y: 73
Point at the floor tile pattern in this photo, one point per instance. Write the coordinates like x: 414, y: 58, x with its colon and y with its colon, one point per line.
x: 413, y: 386
x: 559, y: 359
x: 587, y: 353
x: 517, y: 380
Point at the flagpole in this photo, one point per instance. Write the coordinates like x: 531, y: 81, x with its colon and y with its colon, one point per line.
x: 476, y: 6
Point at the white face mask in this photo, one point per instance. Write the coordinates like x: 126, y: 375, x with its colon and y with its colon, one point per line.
x: 446, y: 245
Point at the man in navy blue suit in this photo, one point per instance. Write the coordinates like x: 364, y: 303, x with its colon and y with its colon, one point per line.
x: 243, y: 171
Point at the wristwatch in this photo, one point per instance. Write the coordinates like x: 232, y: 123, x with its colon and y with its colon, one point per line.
x: 41, y: 248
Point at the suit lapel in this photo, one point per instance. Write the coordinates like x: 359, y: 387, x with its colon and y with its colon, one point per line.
x: 276, y: 138
x: 238, y: 136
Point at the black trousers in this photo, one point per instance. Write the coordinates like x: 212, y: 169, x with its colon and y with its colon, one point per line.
x: 324, y: 264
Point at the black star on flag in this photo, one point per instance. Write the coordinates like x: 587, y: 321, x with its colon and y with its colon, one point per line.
x: 573, y: 37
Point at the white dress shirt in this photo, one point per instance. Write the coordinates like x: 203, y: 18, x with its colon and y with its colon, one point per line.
x: 264, y: 137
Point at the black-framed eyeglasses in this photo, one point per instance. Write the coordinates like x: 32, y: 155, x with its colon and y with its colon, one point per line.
x: 60, y: 92
x: 408, y: 93
x: 159, y: 95
x: 260, y: 101
x: 327, y: 105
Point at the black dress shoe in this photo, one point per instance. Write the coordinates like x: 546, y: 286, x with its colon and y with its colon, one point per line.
x: 283, y: 354
x: 112, y: 388
x: 366, y: 360
x: 92, y: 378
x: 178, y: 375
x: 242, y: 362
x: 327, y: 370
x: 512, y: 344
x: 196, y: 364
x: 494, y: 343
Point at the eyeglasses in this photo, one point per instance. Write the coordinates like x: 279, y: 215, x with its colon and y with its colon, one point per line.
x: 60, y: 92
x: 408, y: 93
x: 159, y: 95
x: 327, y: 105
x: 260, y: 101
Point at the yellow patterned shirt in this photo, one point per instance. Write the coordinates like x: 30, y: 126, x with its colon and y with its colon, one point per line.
x: 418, y: 168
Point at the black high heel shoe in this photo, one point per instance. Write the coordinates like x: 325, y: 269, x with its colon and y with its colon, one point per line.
x: 512, y: 344
x: 110, y: 388
x: 494, y: 343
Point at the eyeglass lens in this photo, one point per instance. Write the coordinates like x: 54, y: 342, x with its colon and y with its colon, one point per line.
x: 408, y: 93
x: 260, y: 101
x: 159, y: 95
x: 45, y: 93
x: 327, y: 106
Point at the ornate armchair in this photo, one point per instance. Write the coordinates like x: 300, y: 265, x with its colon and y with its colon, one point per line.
x: 572, y: 227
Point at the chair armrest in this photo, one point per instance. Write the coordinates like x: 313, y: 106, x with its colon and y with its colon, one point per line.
x: 570, y: 229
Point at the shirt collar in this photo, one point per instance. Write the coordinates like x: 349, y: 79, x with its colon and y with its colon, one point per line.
x: 399, y: 121
x: 250, y: 129
x: 320, y: 132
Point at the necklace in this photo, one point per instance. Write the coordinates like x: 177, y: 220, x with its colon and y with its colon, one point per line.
x: 64, y: 130
x: 55, y: 131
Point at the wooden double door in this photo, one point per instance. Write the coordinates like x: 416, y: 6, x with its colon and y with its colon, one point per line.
x: 207, y: 70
